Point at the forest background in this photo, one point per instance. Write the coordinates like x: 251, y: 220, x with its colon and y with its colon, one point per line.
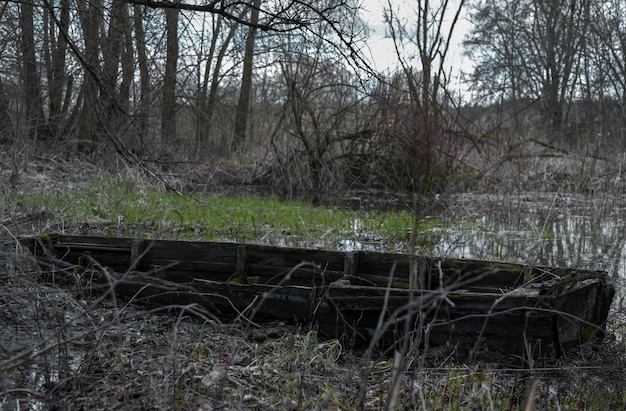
x: 510, y: 148
x: 288, y: 89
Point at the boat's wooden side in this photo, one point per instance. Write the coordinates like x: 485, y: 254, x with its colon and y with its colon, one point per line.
x: 473, y: 306
x: 218, y: 262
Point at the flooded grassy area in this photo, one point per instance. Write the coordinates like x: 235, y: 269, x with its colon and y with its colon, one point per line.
x: 61, y: 348
x: 552, y: 229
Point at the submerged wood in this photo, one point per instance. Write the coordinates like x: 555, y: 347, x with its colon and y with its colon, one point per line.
x: 472, y: 308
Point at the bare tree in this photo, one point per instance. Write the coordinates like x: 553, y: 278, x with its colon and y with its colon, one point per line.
x: 55, y: 52
x: 605, y: 73
x: 117, y: 54
x: 320, y: 115
x: 168, y: 109
x: 212, y: 98
x: 6, y: 121
x: 208, y: 93
x: 430, y: 33
x: 144, y: 73
x: 90, y: 14
x: 33, y: 111
x: 562, y: 26
x: 203, y: 116
x: 243, y: 105
x: 127, y: 59
x: 530, y: 49
x: 112, y: 48
x: 6, y: 125
x: 415, y: 119
x: 88, y: 68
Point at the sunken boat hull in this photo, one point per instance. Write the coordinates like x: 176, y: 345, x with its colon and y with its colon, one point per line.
x: 471, y: 307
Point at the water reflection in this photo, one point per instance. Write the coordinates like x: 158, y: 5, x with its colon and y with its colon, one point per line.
x: 552, y: 229
x: 541, y: 229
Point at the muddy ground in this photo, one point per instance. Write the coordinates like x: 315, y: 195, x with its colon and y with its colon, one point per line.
x: 61, y: 348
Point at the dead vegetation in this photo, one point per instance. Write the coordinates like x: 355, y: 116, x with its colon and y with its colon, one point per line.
x: 63, y: 349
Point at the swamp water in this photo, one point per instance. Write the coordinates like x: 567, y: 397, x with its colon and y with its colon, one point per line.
x: 547, y: 229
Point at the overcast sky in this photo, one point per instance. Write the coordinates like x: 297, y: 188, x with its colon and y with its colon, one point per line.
x: 382, y: 50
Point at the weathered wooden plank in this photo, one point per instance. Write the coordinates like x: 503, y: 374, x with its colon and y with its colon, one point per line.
x: 476, y: 273
x: 506, y: 333
x: 463, y: 304
x: 372, y: 280
x: 191, y: 252
x: 199, y: 268
x: 351, y: 264
x: 242, y: 259
x: 509, y: 308
x: 384, y: 264
x: 290, y: 257
x: 305, y: 275
x: 444, y: 271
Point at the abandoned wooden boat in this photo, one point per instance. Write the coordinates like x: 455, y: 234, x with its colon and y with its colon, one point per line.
x: 468, y: 305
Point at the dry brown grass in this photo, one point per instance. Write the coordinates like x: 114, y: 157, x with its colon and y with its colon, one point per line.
x: 63, y: 349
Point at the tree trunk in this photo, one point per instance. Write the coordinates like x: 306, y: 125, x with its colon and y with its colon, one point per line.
x: 203, y: 120
x: 208, y: 102
x: 243, y: 106
x: 215, y: 78
x: 144, y: 74
x: 33, y: 111
x: 57, y: 78
x: 116, y: 55
x: 168, y: 109
x: 552, y: 106
x: 6, y: 125
x: 88, y: 127
x: 127, y: 59
x: 111, y: 50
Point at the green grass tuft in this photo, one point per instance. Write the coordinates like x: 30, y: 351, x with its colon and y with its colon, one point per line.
x: 127, y: 207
